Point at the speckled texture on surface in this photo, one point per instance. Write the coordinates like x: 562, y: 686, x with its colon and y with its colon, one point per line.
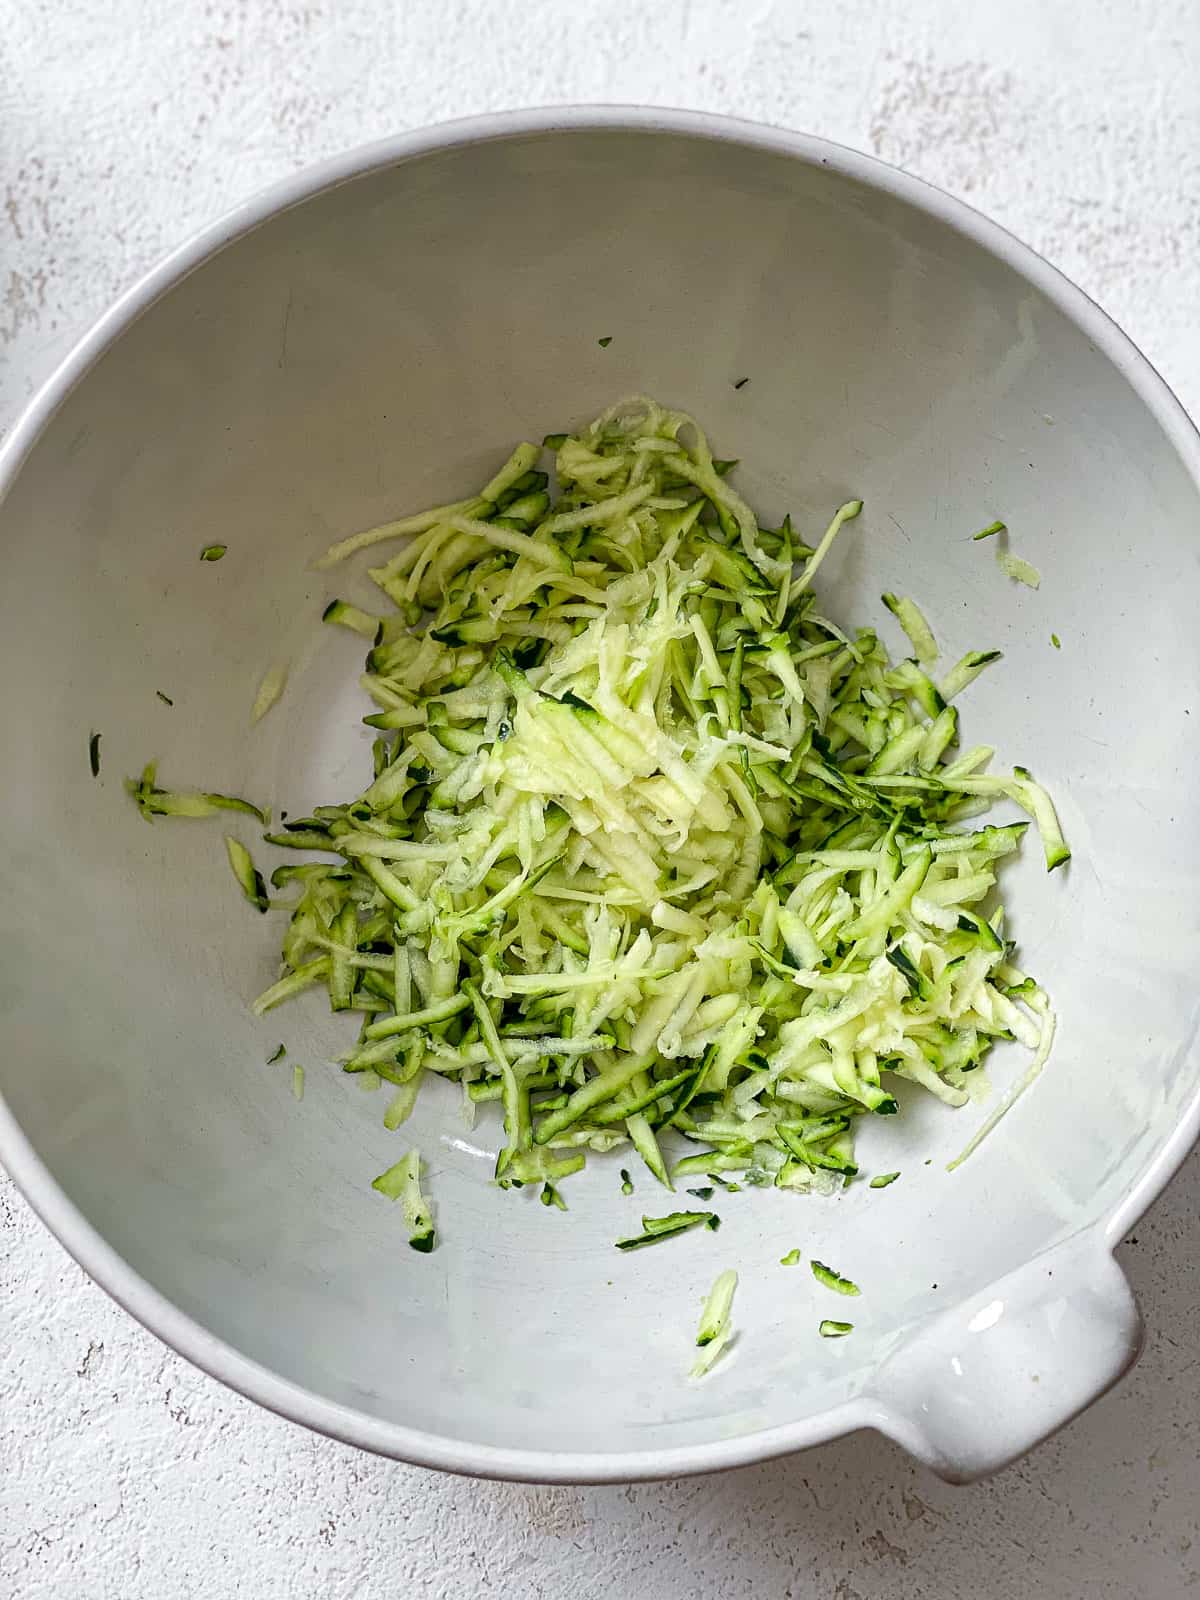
x: 123, y: 126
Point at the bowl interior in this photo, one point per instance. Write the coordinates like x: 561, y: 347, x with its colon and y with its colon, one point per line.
x: 380, y: 347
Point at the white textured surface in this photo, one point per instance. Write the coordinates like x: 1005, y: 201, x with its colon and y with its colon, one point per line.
x: 124, y: 1473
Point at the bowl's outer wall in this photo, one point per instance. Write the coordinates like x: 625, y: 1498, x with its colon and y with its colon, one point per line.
x: 380, y: 347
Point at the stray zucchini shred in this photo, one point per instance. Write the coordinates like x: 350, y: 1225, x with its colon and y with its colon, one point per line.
x: 250, y: 879
x: 403, y: 1182
x: 269, y: 690
x: 908, y: 614
x: 1015, y: 567
x: 346, y: 615
x: 833, y: 1280
x: 656, y: 1229
x: 714, y: 1332
x: 153, y: 802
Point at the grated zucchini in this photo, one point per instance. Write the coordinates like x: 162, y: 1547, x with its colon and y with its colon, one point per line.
x: 652, y: 853
x: 633, y: 791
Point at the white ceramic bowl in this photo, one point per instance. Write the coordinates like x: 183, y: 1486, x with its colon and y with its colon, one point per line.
x: 373, y: 336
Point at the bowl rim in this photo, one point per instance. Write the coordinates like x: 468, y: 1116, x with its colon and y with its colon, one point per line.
x: 176, y: 1328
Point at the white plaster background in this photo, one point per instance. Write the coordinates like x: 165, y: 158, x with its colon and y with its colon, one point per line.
x: 125, y: 124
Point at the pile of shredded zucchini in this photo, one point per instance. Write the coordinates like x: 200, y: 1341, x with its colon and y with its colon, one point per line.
x: 654, y: 852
